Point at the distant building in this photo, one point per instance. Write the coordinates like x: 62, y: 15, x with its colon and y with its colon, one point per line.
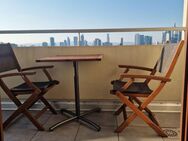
x: 68, y: 41
x: 108, y: 38
x: 75, y: 41
x: 121, y: 42
x: 52, y: 41
x: 139, y: 39
x: 62, y: 44
x: 147, y: 40
x: 82, y: 41
x: 44, y: 44
x: 14, y: 45
x: 65, y: 42
x: 166, y: 36
x: 85, y: 43
x: 107, y: 43
x: 97, y: 42
x: 171, y: 36
x: 176, y: 36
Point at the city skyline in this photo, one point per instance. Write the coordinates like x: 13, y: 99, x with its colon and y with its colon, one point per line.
x: 147, y: 40
x: 82, y: 14
x: 139, y: 39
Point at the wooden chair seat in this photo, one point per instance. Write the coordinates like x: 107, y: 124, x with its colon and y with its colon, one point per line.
x: 25, y: 89
x: 135, y: 87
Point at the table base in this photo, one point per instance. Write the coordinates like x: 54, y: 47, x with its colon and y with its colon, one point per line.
x: 72, y: 116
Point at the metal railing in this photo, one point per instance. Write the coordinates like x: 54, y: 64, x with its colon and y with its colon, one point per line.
x: 80, y: 31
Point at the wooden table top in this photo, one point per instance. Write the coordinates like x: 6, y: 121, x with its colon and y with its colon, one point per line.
x: 61, y: 58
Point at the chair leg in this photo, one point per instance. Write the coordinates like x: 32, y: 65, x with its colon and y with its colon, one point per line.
x: 27, y: 114
x: 137, y: 112
x: 34, y: 121
x: 151, y: 115
x: 122, y: 108
x: 48, y: 105
x: 124, y: 113
x: 23, y: 108
x: 119, y: 110
x: 125, y: 123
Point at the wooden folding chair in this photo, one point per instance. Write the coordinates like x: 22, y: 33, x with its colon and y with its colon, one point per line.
x: 34, y: 90
x: 130, y: 91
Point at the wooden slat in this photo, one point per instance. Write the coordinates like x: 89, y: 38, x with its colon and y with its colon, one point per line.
x: 60, y: 58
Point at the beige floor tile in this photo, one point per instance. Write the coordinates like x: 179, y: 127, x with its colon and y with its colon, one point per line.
x: 106, y: 134
x: 169, y: 120
x: 139, y: 134
x: 65, y: 132
x: 165, y: 120
x: 23, y: 130
x: 22, y: 134
x: 103, y: 118
x: 170, y: 139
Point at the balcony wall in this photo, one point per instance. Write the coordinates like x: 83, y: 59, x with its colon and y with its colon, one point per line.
x: 95, y: 76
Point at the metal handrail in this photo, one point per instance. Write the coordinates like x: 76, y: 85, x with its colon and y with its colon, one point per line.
x: 93, y: 30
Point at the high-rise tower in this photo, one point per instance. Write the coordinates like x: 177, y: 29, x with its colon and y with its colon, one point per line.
x: 52, y: 41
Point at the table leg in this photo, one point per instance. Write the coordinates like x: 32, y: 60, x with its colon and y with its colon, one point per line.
x: 76, y: 88
x: 73, y: 116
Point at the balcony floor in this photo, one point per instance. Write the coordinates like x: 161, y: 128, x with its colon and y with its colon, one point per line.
x: 23, y: 130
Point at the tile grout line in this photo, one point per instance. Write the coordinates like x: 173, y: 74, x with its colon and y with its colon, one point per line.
x: 38, y: 131
x: 116, y: 127
x: 77, y: 132
x: 34, y: 136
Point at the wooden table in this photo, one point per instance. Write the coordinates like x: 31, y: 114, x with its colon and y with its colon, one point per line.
x: 77, y: 115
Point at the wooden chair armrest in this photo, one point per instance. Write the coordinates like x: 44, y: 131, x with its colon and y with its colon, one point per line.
x: 17, y: 74
x: 43, y: 68
x: 37, y: 67
x: 152, y: 77
x: 135, y: 67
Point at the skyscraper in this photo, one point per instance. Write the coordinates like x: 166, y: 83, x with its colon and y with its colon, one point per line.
x: 97, y: 42
x: 68, y: 41
x: 85, y: 43
x: 171, y: 36
x: 139, y: 39
x: 121, y: 42
x: 62, y: 44
x: 75, y: 41
x: 166, y: 36
x: 44, y: 44
x: 52, y: 41
x: 65, y: 42
x: 82, y: 41
x: 107, y: 43
x: 143, y: 40
x: 108, y: 38
x: 147, y: 40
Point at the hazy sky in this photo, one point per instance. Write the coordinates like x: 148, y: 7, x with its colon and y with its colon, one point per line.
x: 70, y: 14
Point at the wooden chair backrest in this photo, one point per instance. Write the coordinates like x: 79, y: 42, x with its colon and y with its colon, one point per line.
x: 170, y: 53
x: 175, y: 59
x: 8, y: 59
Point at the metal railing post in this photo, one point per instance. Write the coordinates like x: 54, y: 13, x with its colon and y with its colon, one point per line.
x: 79, y: 39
